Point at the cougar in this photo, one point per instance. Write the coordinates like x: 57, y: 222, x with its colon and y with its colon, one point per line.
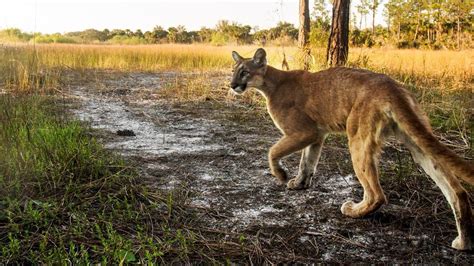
x: 368, y: 107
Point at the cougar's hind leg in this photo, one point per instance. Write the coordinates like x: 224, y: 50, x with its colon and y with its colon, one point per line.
x: 308, y: 164
x: 365, y: 145
x: 364, y: 155
x: 286, y: 146
x: 452, y: 189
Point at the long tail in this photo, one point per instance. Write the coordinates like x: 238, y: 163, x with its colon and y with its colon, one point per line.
x: 411, y: 121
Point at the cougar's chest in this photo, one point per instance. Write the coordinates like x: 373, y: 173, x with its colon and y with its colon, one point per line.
x: 275, y: 120
x: 279, y: 114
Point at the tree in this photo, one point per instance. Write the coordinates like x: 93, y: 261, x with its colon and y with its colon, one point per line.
x: 148, y: 36
x: 205, y: 34
x: 159, y: 34
x: 283, y: 29
x: 128, y: 32
x: 138, y: 33
x: 438, y: 17
x: 460, y: 11
x: 320, y: 24
x: 178, y: 35
x: 172, y: 34
x: 373, y: 6
x: 395, y: 13
x: 226, y: 31
x: 303, y: 36
x: 116, y: 32
x: 363, y: 11
x: 320, y: 12
x: 261, y: 36
x: 238, y: 33
x: 91, y: 35
x: 192, y: 36
x: 182, y: 35
x: 338, y: 44
x: 106, y: 33
x: 222, y: 25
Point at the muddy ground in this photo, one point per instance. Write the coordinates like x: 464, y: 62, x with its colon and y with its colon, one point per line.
x: 216, y: 151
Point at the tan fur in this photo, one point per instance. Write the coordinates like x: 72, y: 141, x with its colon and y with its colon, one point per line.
x: 366, y: 106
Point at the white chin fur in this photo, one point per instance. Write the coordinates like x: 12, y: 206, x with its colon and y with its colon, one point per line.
x: 238, y: 90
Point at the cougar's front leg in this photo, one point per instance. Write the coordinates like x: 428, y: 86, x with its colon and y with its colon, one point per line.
x: 308, y: 164
x: 286, y: 146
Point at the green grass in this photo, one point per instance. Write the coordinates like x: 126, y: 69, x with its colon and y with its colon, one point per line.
x: 63, y: 197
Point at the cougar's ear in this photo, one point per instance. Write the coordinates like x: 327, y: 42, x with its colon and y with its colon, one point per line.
x: 236, y: 56
x: 260, y: 57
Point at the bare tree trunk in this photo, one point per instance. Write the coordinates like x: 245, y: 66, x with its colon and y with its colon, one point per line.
x: 416, y: 31
x: 459, y: 34
x: 373, y: 21
x: 439, y: 32
x: 398, y: 32
x: 439, y: 27
x: 303, y: 36
x: 338, y: 44
x: 388, y: 25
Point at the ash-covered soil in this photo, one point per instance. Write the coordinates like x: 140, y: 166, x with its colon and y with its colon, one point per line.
x: 216, y: 151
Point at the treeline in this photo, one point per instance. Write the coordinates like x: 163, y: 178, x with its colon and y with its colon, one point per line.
x: 225, y: 32
x: 415, y: 23
x: 430, y: 24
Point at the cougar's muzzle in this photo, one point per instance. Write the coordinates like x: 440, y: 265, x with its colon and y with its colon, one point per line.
x: 238, y: 88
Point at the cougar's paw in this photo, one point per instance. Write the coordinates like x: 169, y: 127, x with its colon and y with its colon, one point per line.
x: 348, y: 209
x: 281, y: 182
x: 293, y: 184
x: 281, y: 176
x: 459, y: 244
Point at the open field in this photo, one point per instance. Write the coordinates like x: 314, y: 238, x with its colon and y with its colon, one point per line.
x: 191, y: 185
x: 442, y: 80
x: 437, y: 66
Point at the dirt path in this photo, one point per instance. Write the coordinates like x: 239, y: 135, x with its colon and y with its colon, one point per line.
x: 222, y: 162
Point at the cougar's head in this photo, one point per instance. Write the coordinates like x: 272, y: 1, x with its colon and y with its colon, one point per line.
x: 248, y: 72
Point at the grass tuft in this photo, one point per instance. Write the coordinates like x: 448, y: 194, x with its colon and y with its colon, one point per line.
x: 65, y: 198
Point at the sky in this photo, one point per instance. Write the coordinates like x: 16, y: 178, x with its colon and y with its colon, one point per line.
x: 51, y: 16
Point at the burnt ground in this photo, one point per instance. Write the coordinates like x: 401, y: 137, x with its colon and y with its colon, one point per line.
x: 216, y: 149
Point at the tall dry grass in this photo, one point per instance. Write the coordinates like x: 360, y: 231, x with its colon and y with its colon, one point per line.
x: 442, y: 80
x: 448, y: 69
